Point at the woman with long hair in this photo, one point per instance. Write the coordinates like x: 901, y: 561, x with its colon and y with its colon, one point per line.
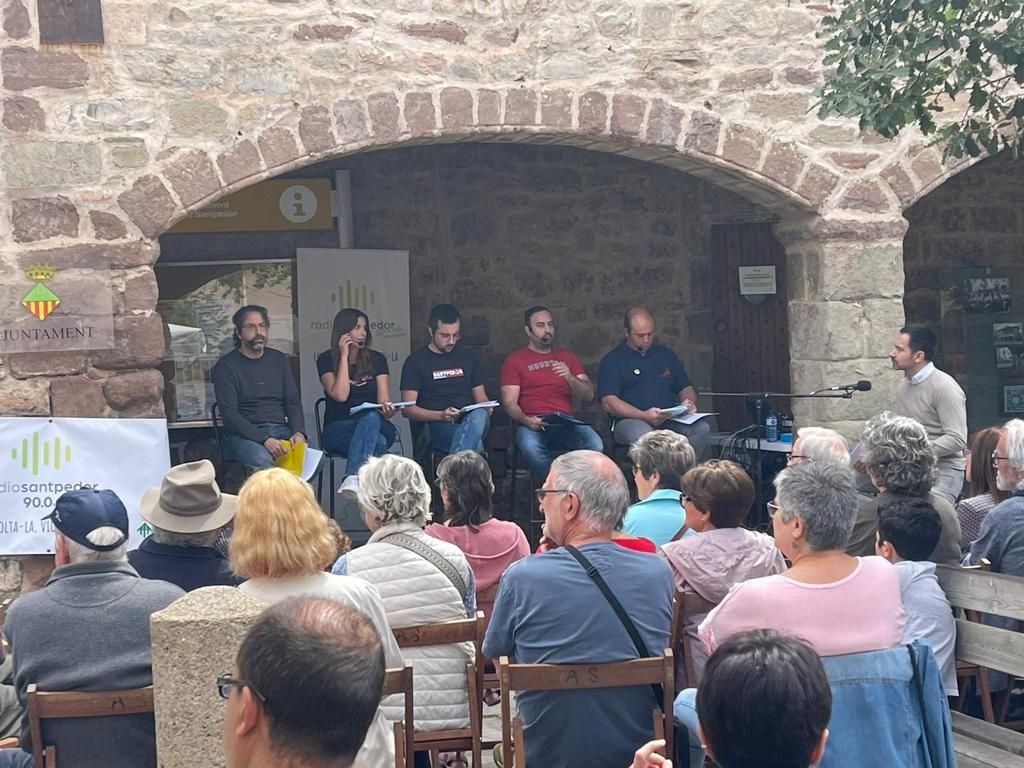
x: 985, y: 492
x: 352, y: 373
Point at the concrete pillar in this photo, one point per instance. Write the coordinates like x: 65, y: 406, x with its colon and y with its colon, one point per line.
x: 194, y: 640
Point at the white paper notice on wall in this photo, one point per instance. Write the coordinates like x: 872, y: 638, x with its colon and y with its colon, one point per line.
x: 757, y: 281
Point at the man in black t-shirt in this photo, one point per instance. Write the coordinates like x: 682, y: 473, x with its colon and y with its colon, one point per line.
x: 443, y: 377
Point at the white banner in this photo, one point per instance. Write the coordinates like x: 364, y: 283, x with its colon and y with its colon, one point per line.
x: 42, y: 458
x: 377, y: 282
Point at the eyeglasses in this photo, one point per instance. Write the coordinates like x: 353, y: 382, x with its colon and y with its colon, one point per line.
x: 996, y: 458
x: 773, y: 509
x: 256, y: 327
x: 683, y: 499
x: 540, y: 493
x: 794, y: 456
x: 226, y: 682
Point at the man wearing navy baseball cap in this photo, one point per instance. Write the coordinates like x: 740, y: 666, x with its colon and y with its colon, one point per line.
x: 88, y: 630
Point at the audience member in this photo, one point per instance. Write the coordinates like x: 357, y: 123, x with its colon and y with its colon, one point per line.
x: 342, y: 542
x: 985, y: 490
x: 490, y: 545
x: 753, y: 682
x: 187, y: 512
x: 899, y: 460
x: 551, y: 610
x: 88, y: 630
x: 421, y: 579
x: 256, y: 395
x: 282, y: 545
x: 908, y: 530
x: 820, y: 444
x: 1001, y: 537
x: 305, y: 689
x: 718, y: 498
x: 660, y: 459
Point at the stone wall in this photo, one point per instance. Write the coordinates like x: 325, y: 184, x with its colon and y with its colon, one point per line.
x: 972, y: 226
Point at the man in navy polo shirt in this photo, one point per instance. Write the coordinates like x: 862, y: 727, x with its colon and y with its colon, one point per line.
x: 639, y: 377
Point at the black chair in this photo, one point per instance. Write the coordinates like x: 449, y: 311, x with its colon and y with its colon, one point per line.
x: 225, y: 464
x: 535, y: 520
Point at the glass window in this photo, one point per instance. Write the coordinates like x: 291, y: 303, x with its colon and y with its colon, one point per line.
x: 196, y: 303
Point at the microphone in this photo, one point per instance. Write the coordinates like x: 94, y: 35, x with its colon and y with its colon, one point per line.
x: 861, y: 386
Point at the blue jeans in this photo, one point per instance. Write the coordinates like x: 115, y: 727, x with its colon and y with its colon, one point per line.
x: 685, y: 711
x: 537, y: 447
x: 464, y: 435
x: 250, y: 454
x: 369, y: 434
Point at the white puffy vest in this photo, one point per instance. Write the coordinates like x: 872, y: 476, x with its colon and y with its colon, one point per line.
x: 415, y: 592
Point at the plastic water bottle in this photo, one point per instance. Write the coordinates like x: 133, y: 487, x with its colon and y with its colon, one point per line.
x: 771, y: 427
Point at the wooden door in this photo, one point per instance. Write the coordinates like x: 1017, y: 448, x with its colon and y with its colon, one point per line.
x: 751, y: 339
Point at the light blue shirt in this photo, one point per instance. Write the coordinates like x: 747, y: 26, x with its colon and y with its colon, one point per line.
x: 658, y: 517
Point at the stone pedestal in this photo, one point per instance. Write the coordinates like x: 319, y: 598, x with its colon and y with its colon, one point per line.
x: 194, y: 640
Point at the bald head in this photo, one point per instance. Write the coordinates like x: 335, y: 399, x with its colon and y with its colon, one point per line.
x: 639, y: 325
x: 598, y: 484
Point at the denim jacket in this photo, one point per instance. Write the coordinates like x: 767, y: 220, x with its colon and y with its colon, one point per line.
x: 888, y: 708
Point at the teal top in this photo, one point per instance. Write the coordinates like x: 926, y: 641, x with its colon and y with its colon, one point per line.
x: 658, y: 517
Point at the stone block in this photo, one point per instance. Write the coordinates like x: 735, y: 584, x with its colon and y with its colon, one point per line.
x: 817, y: 184
x: 52, y: 164
x: 702, y: 133
x: 743, y: 146
x: 884, y: 317
x: 28, y: 397
x: 107, y: 226
x: 867, y: 196
x: 149, y: 205
x: 488, y: 107
x: 521, y: 107
x: 90, y: 255
x: 77, y: 396
x: 140, y: 292
x: 801, y: 76
x: 899, y: 182
x: 448, y: 31
x: 10, y: 577
x: 193, y: 177
x: 278, y: 147
x: 420, y: 115
x: 556, y: 108
x: 851, y: 271
x: 384, y: 116
x: 780, y: 106
x: 834, y: 134
x: 41, y: 217
x: 826, y: 330
x: 189, y: 70
x: 746, y: 79
x: 593, y: 114
x: 323, y: 32
x: 35, y: 571
x: 139, y: 343
x: 17, y: 23
x: 854, y: 161
x: 28, y: 364
x: 106, y: 115
x: 23, y: 115
x: 240, y: 162
x: 315, y: 130
x: 456, y: 108
x: 25, y: 68
x: 927, y: 166
x: 627, y: 114
x: 784, y: 164
x: 350, y: 118
x: 195, y: 639
x: 196, y: 117
x: 134, y: 388
x: 130, y: 153
x: 125, y: 23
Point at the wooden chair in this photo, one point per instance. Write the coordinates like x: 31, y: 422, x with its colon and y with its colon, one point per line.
x: 448, y: 633
x: 686, y: 604
x: 489, y: 673
x: 400, y: 681
x: 657, y: 670
x: 47, y: 705
x: 966, y: 671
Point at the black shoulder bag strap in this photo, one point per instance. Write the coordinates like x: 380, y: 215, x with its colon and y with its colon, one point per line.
x: 623, y: 617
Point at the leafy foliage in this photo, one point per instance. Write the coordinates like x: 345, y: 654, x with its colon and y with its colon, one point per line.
x: 904, y: 62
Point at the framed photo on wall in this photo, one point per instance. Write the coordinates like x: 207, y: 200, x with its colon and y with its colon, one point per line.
x: 1013, y: 398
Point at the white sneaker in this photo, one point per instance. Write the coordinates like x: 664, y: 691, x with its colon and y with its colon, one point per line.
x: 349, y: 486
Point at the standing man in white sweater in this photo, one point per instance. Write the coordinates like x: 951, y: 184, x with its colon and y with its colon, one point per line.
x: 933, y: 398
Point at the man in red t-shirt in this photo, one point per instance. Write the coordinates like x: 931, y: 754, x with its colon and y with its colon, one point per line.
x: 538, y: 383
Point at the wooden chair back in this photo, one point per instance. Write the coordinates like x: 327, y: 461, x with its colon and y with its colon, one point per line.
x: 52, y: 705
x: 448, y: 633
x: 657, y: 670
x: 685, y: 605
x: 400, y: 681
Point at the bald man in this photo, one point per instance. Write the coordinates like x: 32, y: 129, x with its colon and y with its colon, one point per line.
x: 583, y: 498
x: 639, y: 377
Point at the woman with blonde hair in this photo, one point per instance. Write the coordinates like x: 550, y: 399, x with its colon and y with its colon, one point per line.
x: 281, y: 545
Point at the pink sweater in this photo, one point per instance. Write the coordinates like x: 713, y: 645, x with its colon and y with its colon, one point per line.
x: 862, y: 612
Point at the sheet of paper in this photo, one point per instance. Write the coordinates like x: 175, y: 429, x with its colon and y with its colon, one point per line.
x: 368, y: 406
x: 692, y: 418
x: 474, y: 406
x: 310, y: 461
x: 675, y: 410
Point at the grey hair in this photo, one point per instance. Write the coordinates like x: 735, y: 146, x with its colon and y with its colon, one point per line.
x: 172, y: 539
x: 666, y: 452
x: 108, y: 534
x: 599, y: 486
x: 392, y: 489
x: 820, y: 444
x: 898, y: 455
x: 824, y: 496
x: 1015, y: 446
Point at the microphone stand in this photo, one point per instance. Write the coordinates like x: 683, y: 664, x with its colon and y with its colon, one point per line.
x: 760, y: 399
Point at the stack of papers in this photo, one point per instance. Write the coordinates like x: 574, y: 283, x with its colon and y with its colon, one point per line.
x: 679, y: 414
x: 368, y: 406
x: 475, y: 406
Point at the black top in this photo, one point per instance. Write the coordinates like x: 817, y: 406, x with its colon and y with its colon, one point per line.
x: 188, y: 567
x: 643, y: 381
x: 442, y: 380
x: 360, y: 391
x: 261, y: 391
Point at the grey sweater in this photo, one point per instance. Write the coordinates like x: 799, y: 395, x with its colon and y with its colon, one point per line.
x: 88, y: 630
x: 940, y: 405
x: 261, y: 391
